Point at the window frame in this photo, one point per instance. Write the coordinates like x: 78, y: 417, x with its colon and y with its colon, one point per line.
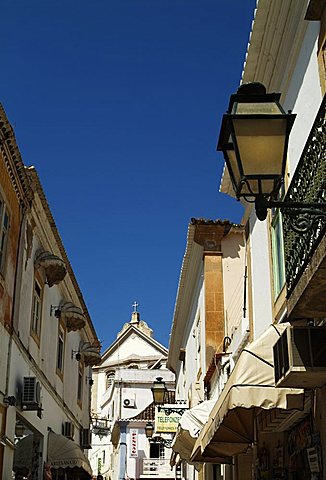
x: 35, y: 328
x: 61, y: 337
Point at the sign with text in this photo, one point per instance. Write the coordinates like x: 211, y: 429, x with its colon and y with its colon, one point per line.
x: 166, y: 423
x: 133, y: 443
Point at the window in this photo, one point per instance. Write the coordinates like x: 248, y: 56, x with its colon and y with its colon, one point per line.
x: 4, y: 227
x: 278, y: 253
x: 36, y: 310
x: 60, y: 350
x: 80, y: 386
x: 109, y: 379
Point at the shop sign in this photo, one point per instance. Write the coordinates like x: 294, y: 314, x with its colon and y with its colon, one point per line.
x: 166, y: 423
x: 133, y: 443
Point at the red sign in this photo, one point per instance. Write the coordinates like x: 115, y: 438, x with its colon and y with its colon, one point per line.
x: 133, y: 443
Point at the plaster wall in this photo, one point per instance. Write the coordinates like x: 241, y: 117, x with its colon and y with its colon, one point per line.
x: 4, y: 345
x: 304, y: 94
x: 54, y: 412
x: 131, y: 347
x: 193, y: 368
x: 261, y: 280
x: 233, y: 263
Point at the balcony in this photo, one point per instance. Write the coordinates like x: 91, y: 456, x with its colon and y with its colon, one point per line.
x: 157, y: 468
x: 305, y: 253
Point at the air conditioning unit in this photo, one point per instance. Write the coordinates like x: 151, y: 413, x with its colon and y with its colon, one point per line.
x: 129, y: 402
x: 31, y: 395
x: 68, y: 430
x: 86, y: 438
x: 300, y: 357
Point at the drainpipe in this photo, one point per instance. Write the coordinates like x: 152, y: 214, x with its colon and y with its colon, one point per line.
x: 123, y: 451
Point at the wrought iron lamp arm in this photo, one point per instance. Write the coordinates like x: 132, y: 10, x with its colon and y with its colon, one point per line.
x: 303, y: 214
x: 169, y: 410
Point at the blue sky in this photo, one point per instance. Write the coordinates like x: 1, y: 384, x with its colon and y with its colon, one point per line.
x: 118, y: 106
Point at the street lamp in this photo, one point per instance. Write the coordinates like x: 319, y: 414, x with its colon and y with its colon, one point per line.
x: 254, y: 138
x: 160, y: 392
x: 149, y: 431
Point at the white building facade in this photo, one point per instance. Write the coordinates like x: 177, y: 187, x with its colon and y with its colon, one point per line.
x: 50, y: 349
x: 122, y: 402
x: 286, y: 272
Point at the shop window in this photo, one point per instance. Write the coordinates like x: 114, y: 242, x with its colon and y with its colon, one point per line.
x: 4, y: 228
x: 36, y: 311
x: 278, y: 253
x: 60, y: 350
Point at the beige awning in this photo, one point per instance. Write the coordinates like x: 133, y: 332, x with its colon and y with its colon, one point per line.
x: 249, y: 390
x: 63, y: 452
x: 190, y: 425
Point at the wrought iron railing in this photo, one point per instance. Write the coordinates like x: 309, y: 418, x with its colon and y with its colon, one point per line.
x: 308, y: 185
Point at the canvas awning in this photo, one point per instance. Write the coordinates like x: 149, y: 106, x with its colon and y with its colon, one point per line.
x: 190, y: 425
x: 250, y: 389
x: 63, y: 452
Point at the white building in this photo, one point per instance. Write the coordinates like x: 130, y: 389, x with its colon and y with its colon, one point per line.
x: 50, y: 347
x: 210, y: 313
x: 286, y: 271
x: 122, y: 401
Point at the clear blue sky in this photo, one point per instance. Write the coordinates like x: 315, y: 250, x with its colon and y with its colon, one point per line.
x: 118, y: 106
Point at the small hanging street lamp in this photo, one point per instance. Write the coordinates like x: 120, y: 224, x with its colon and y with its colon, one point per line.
x: 159, y: 391
x: 149, y: 431
x: 254, y: 139
x: 160, y: 394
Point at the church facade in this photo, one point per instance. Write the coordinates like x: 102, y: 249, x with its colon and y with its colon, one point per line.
x: 122, y: 404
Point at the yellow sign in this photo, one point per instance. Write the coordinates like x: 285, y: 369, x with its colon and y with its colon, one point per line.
x: 166, y: 423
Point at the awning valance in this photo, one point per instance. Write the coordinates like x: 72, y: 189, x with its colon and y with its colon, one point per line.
x: 230, y: 427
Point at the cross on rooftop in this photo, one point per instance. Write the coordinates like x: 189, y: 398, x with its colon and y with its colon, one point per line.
x: 135, y: 305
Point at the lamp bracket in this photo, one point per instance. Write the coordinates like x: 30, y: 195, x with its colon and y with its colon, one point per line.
x: 303, y: 215
x: 169, y: 410
x: 162, y: 441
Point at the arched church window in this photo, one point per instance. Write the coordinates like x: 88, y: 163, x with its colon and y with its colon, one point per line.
x: 109, y: 379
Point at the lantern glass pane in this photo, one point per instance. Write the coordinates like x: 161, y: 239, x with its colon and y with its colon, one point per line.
x: 262, y: 108
x: 233, y: 167
x: 158, y: 394
x: 261, y: 144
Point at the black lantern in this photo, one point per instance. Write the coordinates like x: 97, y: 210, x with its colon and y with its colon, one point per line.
x: 254, y: 139
x: 158, y: 391
x: 149, y: 430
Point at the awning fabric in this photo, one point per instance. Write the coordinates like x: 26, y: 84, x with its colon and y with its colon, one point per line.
x: 190, y: 425
x: 230, y: 427
x: 63, y: 452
